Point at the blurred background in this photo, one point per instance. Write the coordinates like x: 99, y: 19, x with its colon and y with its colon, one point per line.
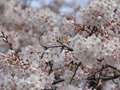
x: 62, y: 6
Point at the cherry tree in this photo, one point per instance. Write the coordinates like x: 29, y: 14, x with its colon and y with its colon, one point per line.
x: 44, y: 50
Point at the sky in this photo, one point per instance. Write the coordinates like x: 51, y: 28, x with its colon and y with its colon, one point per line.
x: 64, y: 9
x: 83, y: 3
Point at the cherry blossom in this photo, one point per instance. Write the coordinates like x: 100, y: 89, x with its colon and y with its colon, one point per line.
x: 42, y: 49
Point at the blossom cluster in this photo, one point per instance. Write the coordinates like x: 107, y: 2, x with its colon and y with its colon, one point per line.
x: 41, y: 49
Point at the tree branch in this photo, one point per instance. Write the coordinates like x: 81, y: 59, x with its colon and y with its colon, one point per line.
x: 61, y: 45
x: 58, y: 81
x: 75, y: 71
x: 104, y: 78
x: 98, y: 78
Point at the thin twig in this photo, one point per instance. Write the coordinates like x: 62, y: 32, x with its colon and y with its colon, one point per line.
x: 58, y: 81
x: 75, y: 71
x: 61, y: 44
x: 104, y: 78
x: 5, y: 39
x: 98, y: 78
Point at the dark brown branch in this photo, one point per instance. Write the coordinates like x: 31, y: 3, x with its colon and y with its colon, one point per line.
x: 106, y: 66
x: 50, y: 65
x: 61, y: 45
x: 75, y: 71
x: 98, y: 78
x: 41, y: 34
x: 104, y: 78
x: 114, y: 81
x: 100, y: 60
x: 64, y: 46
x: 58, y: 81
x: 114, y: 68
x: 94, y: 30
